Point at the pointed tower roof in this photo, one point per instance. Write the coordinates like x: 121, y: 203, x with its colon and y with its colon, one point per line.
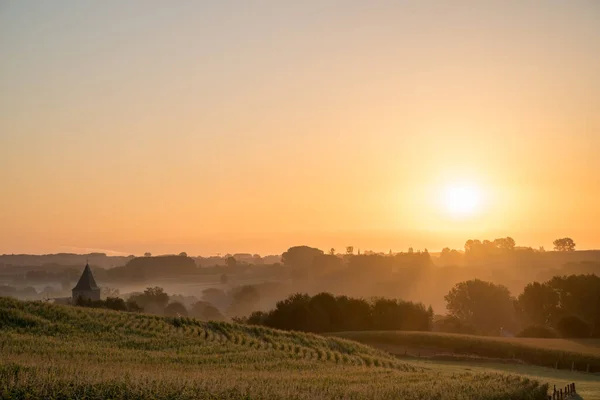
x: 86, y: 282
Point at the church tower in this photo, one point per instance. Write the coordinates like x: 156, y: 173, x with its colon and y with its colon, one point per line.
x: 86, y: 288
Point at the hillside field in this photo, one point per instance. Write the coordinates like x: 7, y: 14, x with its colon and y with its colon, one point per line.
x: 62, y: 352
x: 580, y: 354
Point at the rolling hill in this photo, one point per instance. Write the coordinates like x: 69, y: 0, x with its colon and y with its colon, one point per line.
x: 61, y: 352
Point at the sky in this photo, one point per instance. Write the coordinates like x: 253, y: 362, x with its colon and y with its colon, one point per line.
x: 252, y: 126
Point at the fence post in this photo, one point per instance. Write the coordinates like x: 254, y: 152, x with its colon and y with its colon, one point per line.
x: 574, y: 390
x: 561, y: 395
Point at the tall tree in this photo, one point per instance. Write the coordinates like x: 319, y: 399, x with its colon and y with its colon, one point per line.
x: 564, y: 244
x: 486, y: 306
x: 539, y: 302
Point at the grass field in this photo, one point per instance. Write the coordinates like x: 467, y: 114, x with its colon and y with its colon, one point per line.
x: 582, y: 354
x: 61, y: 352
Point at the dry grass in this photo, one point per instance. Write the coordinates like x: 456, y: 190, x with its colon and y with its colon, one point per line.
x: 65, y: 352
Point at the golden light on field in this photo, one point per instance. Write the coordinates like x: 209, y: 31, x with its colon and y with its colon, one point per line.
x: 462, y: 200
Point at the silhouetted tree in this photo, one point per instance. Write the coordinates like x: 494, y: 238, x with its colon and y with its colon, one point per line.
x: 231, y: 261
x: 153, y: 299
x: 349, y: 250
x: 116, y: 303
x: 205, y: 311
x: 325, y: 263
x: 183, y: 254
x: 451, y: 324
x: 486, y: 306
x: 564, y: 244
x: 147, y: 254
x: 244, y: 301
x: 300, y: 256
x: 539, y: 302
x: 506, y: 243
x: 176, y: 309
x: 450, y: 257
x: 326, y: 313
x: 572, y: 326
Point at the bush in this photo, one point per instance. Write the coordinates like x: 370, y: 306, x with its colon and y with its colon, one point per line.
x: 573, y: 327
x: 537, y: 331
x: 452, y: 324
x: 111, y: 303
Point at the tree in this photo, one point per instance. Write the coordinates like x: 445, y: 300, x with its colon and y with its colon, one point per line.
x: 153, y: 300
x: 244, y: 301
x: 231, y: 261
x: 183, y: 254
x: 471, y: 245
x: 205, y: 311
x: 325, y: 263
x: 300, y: 256
x: 572, y: 326
x: 564, y: 244
x: 539, y: 302
x: 116, y: 303
x: 147, y: 254
x: 486, y: 306
x: 450, y: 257
x: 349, y: 250
x: 579, y: 295
x: 506, y: 243
x: 450, y: 324
x: 176, y: 309
x: 332, y: 252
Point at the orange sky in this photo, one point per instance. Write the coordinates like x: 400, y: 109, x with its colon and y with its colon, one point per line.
x: 222, y: 127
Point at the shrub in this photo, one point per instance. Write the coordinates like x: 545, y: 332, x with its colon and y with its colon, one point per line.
x: 452, y: 324
x: 537, y: 331
x: 572, y: 326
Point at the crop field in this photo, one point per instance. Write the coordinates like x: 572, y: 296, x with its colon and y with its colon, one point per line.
x: 588, y: 385
x: 62, y: 352
x: 579, y: 354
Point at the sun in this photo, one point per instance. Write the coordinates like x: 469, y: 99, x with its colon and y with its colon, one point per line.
x: 462, y: 200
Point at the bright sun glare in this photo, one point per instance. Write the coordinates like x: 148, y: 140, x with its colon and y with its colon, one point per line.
x: 462, y: 200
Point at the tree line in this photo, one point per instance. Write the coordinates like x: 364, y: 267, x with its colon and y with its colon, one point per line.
x: 566, y: 306
x: 325, y: 312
